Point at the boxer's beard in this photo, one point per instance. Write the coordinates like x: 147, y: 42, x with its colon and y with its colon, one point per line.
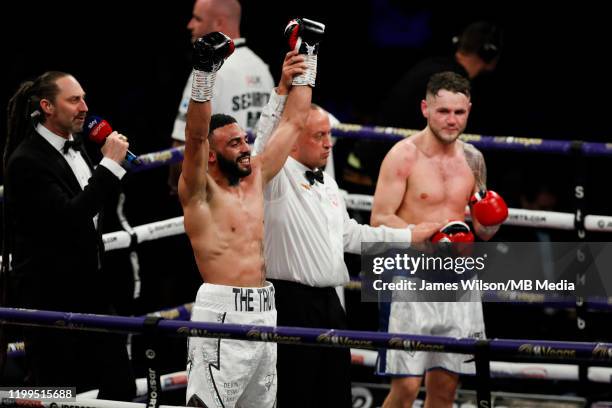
x: 231, y: 169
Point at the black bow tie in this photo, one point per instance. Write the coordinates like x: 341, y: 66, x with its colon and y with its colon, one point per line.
x: 72, y: 144
x: 311, y: 176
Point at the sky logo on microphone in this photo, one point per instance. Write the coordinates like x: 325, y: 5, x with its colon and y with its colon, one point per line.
x: 99, y: 129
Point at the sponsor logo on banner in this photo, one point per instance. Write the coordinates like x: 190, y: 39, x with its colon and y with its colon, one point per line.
x: 528, y: 218
x: 153, y: 394
x: 604, y: 224
x: 602, y: 351
x: 161, y: 156
x: 470, y: 137
x: 347, y: 127
x: 414, y: 345
x: 343, y: 341
x: 265, y: 336
x: 517, y: 140
x: 186, y: 331
x: 545, y: 351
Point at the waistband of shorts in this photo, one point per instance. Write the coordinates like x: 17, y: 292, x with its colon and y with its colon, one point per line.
x: 281, y: 283
x: 236, y: 298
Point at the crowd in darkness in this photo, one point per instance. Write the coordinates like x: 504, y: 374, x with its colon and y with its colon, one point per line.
x: 545, y: 86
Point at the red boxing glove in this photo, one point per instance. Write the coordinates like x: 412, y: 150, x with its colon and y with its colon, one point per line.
x: 488, y: 208
x: 454, y: 231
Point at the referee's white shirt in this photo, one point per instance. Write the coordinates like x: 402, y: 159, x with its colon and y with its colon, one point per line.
x: 307, y: 228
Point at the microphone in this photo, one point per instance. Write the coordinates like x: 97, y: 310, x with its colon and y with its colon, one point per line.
x: 98, y: 129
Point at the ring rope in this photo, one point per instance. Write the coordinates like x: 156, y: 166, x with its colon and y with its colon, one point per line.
x: 175, y: 155
x: 504, y: 348
x: 511, y: 143
x: 499, y: 369
x: 517, y: 217
x: 181, y: 312
x: 353, y: 131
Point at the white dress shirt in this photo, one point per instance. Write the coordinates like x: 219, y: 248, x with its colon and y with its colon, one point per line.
x: 307, y: 228
x: 76, y: 161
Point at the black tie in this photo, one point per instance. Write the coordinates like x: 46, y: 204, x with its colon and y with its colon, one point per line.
x: 72, y: 144
x: 311, y: 176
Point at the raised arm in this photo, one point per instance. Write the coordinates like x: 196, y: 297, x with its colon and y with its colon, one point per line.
x: 304, y: 37
x: 391, y: 186
x: 487, y: 208
x: 271, y: 114
x: 209, y: 53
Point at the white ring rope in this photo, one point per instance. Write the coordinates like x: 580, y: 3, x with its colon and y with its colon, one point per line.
x: 517, y: 217
x: 145, y: 232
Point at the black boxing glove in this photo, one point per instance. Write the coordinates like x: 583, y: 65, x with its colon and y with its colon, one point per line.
x: 209, y: 53
x: 304, y: 35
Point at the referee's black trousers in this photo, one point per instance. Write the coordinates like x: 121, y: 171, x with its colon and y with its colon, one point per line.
x: 311, y: 376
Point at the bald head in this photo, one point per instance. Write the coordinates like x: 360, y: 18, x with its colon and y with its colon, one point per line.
x: 230, y: 9
x: 215, y: 15
x: 313, y: 146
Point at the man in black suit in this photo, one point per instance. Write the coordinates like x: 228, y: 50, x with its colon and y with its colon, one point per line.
x: 53, y: 203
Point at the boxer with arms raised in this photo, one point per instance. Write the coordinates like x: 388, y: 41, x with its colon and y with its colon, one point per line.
x: 432, y: 176
x: 221, y: 191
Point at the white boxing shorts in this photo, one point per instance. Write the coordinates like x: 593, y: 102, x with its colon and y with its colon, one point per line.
x: 232, y: 373
x: 448, y: 319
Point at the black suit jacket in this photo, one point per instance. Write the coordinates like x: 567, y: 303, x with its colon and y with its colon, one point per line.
x: 57, y: 250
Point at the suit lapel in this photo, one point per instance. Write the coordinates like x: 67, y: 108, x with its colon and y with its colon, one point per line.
x: 54, y: 159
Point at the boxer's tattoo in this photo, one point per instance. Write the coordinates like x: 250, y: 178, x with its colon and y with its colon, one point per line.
x: 476, y: 162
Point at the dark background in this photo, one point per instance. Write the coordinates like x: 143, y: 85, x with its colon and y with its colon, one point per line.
x: 132, y: 58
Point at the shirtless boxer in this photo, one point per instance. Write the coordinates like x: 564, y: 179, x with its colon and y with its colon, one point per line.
x: 432, y: 176
x: 221, y: 191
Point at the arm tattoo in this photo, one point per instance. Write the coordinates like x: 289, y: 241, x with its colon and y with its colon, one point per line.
x: 476, y: 162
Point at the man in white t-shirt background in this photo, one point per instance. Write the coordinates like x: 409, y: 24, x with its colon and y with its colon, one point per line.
x: 241, y: 89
